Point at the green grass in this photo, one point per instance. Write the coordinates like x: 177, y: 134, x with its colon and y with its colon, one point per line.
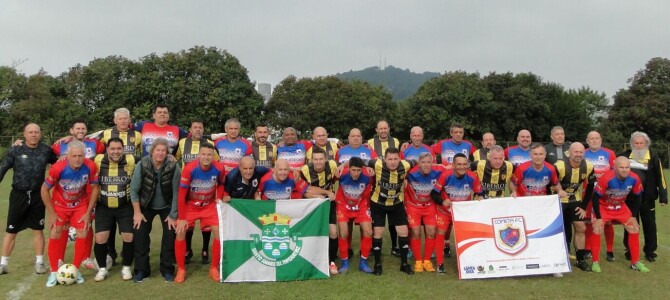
x: 616, y: 281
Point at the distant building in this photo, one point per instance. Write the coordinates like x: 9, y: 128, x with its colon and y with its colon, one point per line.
x: 265, y: 89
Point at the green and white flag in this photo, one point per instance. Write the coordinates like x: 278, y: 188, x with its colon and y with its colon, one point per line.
x: 275, y: 240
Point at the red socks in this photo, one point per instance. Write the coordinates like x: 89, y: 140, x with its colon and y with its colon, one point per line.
x: 80, y: 248
x: 52, y: 252
x: 366, y: 245
x: 439, y: 245
x: 634, y: 247
x: 180, y: 253
x: 415, y: 246
x: 343, y: 244
x: 428, y: 248
x: 609, y: 237
x: 216, y: 254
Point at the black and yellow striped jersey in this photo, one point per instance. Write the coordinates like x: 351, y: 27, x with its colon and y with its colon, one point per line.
x: 494, y: 181
x: 330, y: 148
x: 480, y: 154
x: 132, y: 140
x: 388, y: 189
x: 380, y: 147
x: 114, y: 179
x: 573, y: 180
x: 324, y: 179
x: 265, y: 155
x: 188, y: 149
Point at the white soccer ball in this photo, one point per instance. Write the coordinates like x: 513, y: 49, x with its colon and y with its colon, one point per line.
x: 67, y: 274
x: 72, y: 234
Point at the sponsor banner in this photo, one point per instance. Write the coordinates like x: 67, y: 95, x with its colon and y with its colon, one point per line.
x: 510, y: 237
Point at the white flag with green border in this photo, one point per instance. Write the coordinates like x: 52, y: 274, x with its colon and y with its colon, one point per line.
x: 275, y: 240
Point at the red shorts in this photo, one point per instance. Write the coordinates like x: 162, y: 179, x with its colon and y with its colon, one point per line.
x: 70, y: 216
x: 359, y: 216
x: 417, y: 215
x: 207, y: 215
x: 621, y: 215
x: 443, y: 218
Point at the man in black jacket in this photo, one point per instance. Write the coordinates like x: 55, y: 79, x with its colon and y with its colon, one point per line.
x: 558, y: 148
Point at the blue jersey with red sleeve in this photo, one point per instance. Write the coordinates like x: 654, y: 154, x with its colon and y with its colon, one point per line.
x: 70, y: 186
x: 294, y: 154
x: 448, y: 148
x: 531, y: 182
x: 516, y: 155
x: 345, y: 153
x: 602, y: 160
x: 230, y: 153
x: 272, y: 189
x: 417, y: 191
x: 150, y: 131
x: 412, y: 153
x: 92, y: 147
x: 614, y: 191
x: 456, y: 188
x: 198, y: 187
x: 354, y: 195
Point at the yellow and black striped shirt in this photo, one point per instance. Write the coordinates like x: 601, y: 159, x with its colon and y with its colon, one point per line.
x: 330, y: 148
x: 389, y: 184
x: 480, y: 154
x: 324, y: 179
x: 114, y: 179
x: 188, y: 150
x: 265, y: 155
x: 132, y: 140
x: 380, y: 147
x: 573, y: 180
x: 494, y: 182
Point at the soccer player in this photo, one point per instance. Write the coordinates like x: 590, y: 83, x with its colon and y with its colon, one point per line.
x: 292, y: 150
x: 113, y: 207
x: 320, y: 136
x: 26, y: 209
x: 446, y: 149
x: 321, y: 175
x: 242, y: 182
x: 264, y: 152
x: 160, y: 128
x: 520, y: 153
x: 382, y: 140
x: 200, y: 187
x: 457, y: 184
x: 577, y: 177
x: 533, y: 177
x: 279, y: 184
x: 232, y: 147
x: 421, y: 210
x: 556, y: 150
x: 153, y: 192
x: 71, y: 203
x: 609, y: 204
x: 602, y: 160
x: 488, y: 141
x: 494, y: 173
x: 353, y: 198
x: 411, y: 151
x: 647, y: 166
x: 132, y: 139
x: 355, y: 148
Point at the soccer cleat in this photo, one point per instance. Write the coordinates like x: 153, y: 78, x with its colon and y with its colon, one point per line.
x: 102, y: 275
x: 332, y: 268
x: 345, y: 266
x: 378, y: 269
x: 52, y: 280
x: 610, y: 256
x: 583, y: 265
x: 447, y: 251
x: 109, y: 262
x: 214, y: 274
x: 363, y: 266
x: 205, y: 257
x: 181, y: 276
x: 395, y: 252
x: 595, y: 267
x: 139, y: 276
x: 407, y: 269
x: 650, y: 258
x: 441, y: 269
x: 418, y: 266
x: 168, y: 277
x: 126, y: 274
x: 428, y: 266
x: 4, y: 269
x: 80, y: 278
x: 40, y: 268
x: 640, y: 267
x: 88, y: 263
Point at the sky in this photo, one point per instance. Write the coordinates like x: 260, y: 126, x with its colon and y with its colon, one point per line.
x: 596, y: 44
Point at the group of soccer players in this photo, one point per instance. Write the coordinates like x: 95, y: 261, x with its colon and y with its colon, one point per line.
x: 413, y: 185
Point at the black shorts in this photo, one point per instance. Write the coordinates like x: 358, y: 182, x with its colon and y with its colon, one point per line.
x: 569, y: 212
x: 332, y: 217
x: 26, y: 210
x: 106, y: 218
x: 396, y: 214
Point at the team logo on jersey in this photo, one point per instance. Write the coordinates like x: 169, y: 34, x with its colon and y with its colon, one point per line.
x: 298, y: 150
x: 364, y: 156
x: 601, y: 158
x: 238, y: 150
x: 254, y: 183
x: 214, y: 178
x: 465, y: 151
x: 510, y: 234
x: 169, y: 134
x: 276, y: 246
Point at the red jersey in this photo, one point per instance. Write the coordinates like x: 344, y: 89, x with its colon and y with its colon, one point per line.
x: 199, y: 188
x: 70, y: 186
x: 92, y: 147
x: 614, y: 191
x: 417, y: 191
x: 230, y: 153
x: 275, y: 190
x: 531, y: 182
x: 454, y: 188
x: 354, y: 195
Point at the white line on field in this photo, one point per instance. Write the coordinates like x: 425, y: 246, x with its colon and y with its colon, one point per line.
x: 21, y: 287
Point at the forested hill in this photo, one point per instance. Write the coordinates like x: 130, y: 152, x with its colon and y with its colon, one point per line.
x: 402, y: 83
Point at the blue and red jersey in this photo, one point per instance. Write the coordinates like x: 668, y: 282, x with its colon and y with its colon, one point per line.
x: 455, y: 188
x: 354, y: 195
x: 614, y: 191
x: 531, y: 182
x: 92, y: 147
x: 417, y: 191
x: 294, y: 154
x: 602, y: 160
x: 272, y: 189
x: 150, y: 131
x: 516, y: 155
x: 198, y: 187
x: 230, y: 153
x: 70, y: 187
x: 448, y: 148
x: 345, y: 153
x: 412, y: 153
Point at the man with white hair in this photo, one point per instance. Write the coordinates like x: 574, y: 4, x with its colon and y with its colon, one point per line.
x: 646, y: 165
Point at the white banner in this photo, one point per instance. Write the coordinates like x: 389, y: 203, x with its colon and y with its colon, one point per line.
x: 510, y: 237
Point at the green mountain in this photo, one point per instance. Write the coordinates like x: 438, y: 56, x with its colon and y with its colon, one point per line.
x: 402, y: 83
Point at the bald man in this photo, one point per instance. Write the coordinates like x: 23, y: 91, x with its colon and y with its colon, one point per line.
x: 26, y: 209
x: 279, y: 184
x: 488, y: 141
x: 355, y: 148
x: 520, y: 153
x: 320, y: 137
x: 242, y: 182
x: 416, y: 147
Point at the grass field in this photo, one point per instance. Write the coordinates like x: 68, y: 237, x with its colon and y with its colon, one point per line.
x: 616, y: 281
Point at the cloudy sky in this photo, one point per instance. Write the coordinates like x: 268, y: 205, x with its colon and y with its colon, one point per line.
x: 599, y: 44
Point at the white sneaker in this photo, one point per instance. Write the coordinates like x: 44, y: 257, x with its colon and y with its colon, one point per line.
x: 4, y: 269
x: 109, y: 262
x: 102, y: 275
x: 40, y: 268
x: 126, y: 274
x: 88, y: 263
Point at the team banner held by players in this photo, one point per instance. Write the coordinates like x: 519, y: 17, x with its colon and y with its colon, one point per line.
x: 510, y: 237
x: 275, y: 240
